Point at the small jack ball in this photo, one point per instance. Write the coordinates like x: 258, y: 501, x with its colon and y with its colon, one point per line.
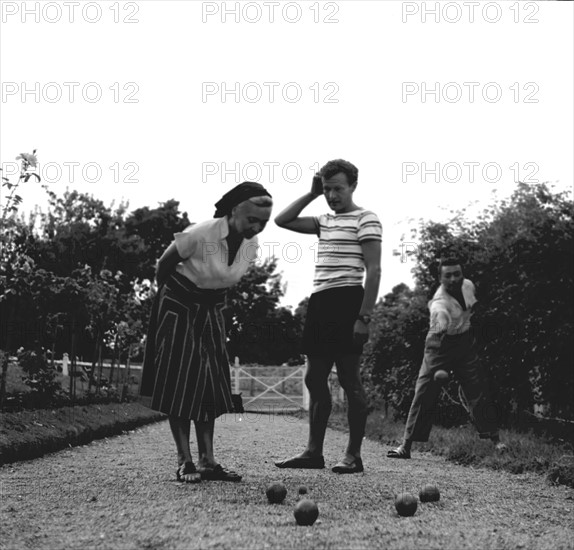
x: 429, y: 493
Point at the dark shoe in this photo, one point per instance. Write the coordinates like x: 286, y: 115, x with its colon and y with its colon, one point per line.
x: 307, y: 462
x: 354, y: 467
x: 187, y: 473
x: 219, y: 473
x: 399, y: 452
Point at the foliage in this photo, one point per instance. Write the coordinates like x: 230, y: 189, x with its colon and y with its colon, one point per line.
x: 259, y: 331
x: 72, y: 278
x: 519, y: 254
x: 41, y: 377
x: 82, y: 282
x: 155, y: 228
x: 9, y: 252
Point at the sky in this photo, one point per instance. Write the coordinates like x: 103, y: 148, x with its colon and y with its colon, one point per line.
x: 439, y: 105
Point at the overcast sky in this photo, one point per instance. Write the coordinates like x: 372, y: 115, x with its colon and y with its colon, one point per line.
x: 148, y: 101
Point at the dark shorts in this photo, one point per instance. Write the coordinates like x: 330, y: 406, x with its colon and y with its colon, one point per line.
x: 331, y: 315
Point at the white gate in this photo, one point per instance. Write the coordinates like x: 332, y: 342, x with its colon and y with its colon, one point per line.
x: 271, y: 389
x: 277, y: 389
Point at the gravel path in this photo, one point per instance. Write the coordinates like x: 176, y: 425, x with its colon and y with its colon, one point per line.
x: 120, y: 493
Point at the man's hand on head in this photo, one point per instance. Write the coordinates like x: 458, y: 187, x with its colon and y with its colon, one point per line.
x: 317, y: 185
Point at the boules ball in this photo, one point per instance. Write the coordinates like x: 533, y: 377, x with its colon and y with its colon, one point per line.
x: 429, y: 493
x: 406, y: 504
x: 276, y: 493
x: 441, y: 376
x: 306, y: 512
x: 303, y: 490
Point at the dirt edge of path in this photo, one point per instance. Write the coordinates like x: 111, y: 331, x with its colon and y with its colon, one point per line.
x: 29, y: 434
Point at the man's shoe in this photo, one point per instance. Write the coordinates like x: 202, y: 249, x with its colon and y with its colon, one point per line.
x: 354, y: 467
x: 399, y: 452
x: 305, y: 462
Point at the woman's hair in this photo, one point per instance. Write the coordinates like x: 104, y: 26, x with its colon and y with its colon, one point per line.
x: 339, y: 165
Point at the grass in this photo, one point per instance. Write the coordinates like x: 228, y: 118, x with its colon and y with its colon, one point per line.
x: 527, y: 452
x: 32, y: 433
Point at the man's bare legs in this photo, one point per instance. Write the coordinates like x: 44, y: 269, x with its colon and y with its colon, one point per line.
x: 349, y: 374
x: 320, y: 403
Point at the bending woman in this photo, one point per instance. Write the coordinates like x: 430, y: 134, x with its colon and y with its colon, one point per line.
x: 186, y: 366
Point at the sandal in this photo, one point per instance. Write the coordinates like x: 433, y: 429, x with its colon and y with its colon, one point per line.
x: 399, y: 452
x: 187, y: 473
x: 219, y: 473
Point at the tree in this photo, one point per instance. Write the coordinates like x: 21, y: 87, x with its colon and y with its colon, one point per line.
x: 258, y: 329
x: 392, y: 356
x: 155, y: 228
x: 9, y: 255
x: 519, y: 253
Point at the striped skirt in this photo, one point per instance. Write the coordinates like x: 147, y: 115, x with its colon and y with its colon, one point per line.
x: 186, y: 366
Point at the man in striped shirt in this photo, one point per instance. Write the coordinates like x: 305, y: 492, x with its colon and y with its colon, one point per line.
x: 338, y: 314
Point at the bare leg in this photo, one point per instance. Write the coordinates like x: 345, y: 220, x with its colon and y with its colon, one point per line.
x: 180, y: 429
x: 207, y: 465
x: 320, y: 403
x: 348, y: 371
x: 316, y: 380
x: 204, y: 433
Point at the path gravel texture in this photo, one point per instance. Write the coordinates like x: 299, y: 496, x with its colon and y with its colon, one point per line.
x: 121, y: 493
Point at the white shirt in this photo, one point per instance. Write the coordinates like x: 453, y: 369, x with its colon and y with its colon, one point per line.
x: 458, y: 319
x: 205, y: 254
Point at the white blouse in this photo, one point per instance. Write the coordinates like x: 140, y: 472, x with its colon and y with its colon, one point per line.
x: 205, y: 254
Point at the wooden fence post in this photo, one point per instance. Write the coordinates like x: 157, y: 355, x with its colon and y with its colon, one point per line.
x: 65, y: 363
x: 305, y: 390
x: 236, y: 376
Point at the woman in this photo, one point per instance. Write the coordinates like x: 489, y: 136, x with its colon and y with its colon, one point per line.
x: 186, y: 367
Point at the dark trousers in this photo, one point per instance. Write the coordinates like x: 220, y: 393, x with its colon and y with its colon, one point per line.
x: 456, y: 354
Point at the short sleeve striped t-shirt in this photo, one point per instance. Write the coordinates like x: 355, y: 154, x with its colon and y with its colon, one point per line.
x: 340, y: 259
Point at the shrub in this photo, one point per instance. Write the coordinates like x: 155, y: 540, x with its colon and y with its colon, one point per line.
x: 41, y: 377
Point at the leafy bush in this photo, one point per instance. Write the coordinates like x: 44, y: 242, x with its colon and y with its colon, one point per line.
x: 519, y: 254
x: 41, y: 377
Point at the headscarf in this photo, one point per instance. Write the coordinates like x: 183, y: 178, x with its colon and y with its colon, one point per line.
x: 237, y: 195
